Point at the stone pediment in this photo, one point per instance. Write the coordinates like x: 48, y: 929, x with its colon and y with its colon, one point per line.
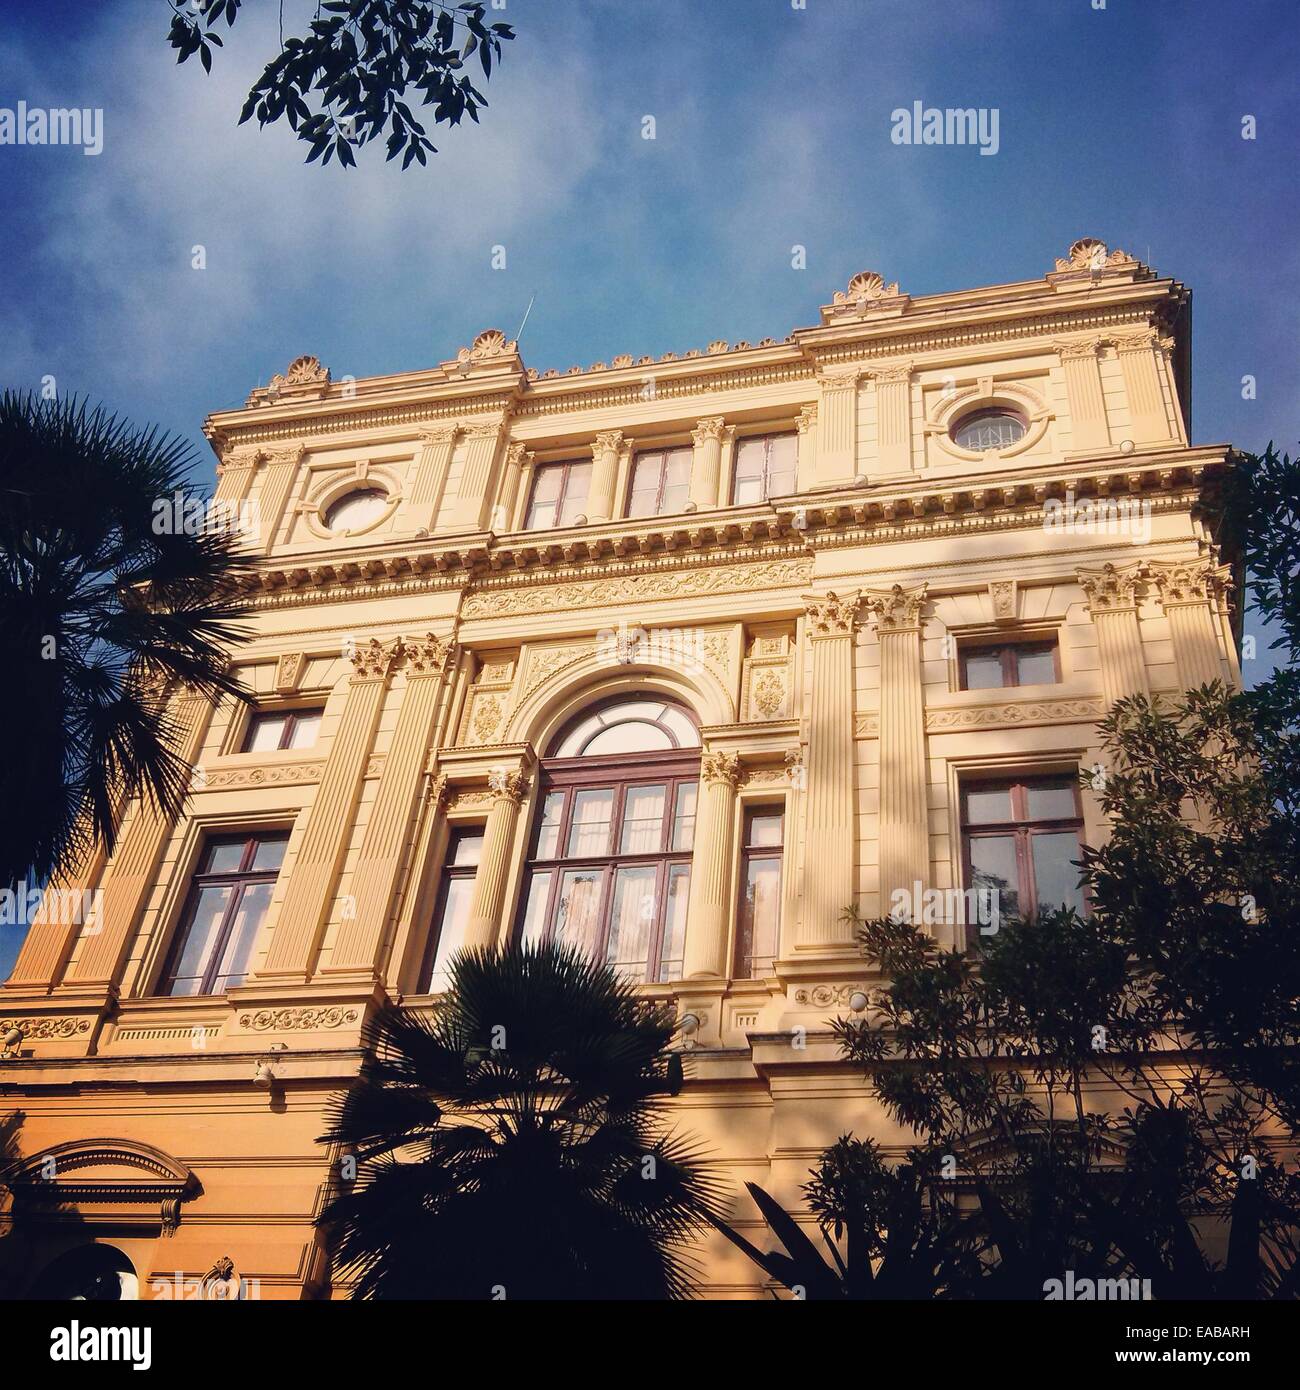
x: 95, y: 1172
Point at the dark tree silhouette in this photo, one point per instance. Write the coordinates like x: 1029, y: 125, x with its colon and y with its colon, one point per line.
x: 513, y: 1145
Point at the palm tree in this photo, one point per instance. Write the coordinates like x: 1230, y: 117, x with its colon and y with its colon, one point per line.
x: 513, y: 1144
x: 105, y: 603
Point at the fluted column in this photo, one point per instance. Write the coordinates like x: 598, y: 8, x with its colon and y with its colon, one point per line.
x: 129, y: 878
x: 487, y: 904
x: 807, y: 427
x: 1141, y: 371
x: 50, y: 939
x: 1112, y: 595
x: 893, y: 418
x: 708, y: 913
x: 374, y: 882
x: 519, y: 462
x: 314, y: 874
x: 904, y: 820
x: 235, y: 474
x: 706, y: 464
x: 604, y: 475
x: 837, y: 425
x: 1089, y: 430
x: 830, y: 836
x: 278, y: 477
x: 437, y: 445
x: 1189, y: 594
x: 476, y: 483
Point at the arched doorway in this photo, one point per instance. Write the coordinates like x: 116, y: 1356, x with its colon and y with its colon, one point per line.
x: 609, y: 856
x: 89, y: 1273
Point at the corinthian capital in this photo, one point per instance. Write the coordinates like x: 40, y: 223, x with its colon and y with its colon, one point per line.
x: 507, y: 785
x: 1111, y: 588
x: 1190, y: 581
x: 609, y: 442
x: 427, y: 655
x: 374, y: 660
x: 720, y: 767
x: 831, y: 614
x: 710, y: 429
x: 895, y: 609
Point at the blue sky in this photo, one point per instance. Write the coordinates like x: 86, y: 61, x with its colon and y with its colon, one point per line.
x: 772, y: 129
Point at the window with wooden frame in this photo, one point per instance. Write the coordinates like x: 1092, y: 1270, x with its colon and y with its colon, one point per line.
x: 1000, y: 664
x: 661, y: 482
x: 451, y: 912
x: 609, y: 865
x: 558, y: 496
x: 272, y: 730
x: 1022, y: 838
x: 766, y: 466
x: 229, y: 895
x: 758, y: 923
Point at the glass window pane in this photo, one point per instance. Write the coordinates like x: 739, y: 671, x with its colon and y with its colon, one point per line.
x: 548, y: 831
x: 239, y: 946
x: 541, y: 516
x: 983, y: 670
x: 573, y: 744
x: 631, y: 921
x: 764, y: 829
x: 547, y: 481
x: 575, y: 493
x: 684, y: 816
x: 451, y: 929
x: 577, y: 921
x: 987, y: 805
x: 632, y: 737
x: 465, y: 848
x: 677, y: 468
x: 993, y: 870
x: 672, y: 951
x: 269, y: 853
x: 589, y: 827
x: 782, y: 464
x: 1036, y: 666
x: 643, y: 820
x: 760, y: 914
x: 1054, y: 800
x: 224, y: 856
x: 539, y: 888
x: 751, y: 458
x: 1056, y: 879
x: 646, y: 478
x: 200, y: 938
x: 681, y: 727
x: 356, y: 510
x: 306, y: 726
x: 746, y: 491
x: 264, y: 733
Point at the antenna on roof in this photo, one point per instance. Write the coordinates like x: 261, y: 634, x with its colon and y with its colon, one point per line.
x: 527, y: 311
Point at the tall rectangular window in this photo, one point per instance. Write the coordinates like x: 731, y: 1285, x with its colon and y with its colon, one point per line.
x: 559, y: 495
x: 451, y: 915
x: 991, y: 666
x: 759, y: 924
x: 229, y: 895
x: 766, y: 466
x: 661, y: 483
x: 270, y: 730
x: 1021, y: 839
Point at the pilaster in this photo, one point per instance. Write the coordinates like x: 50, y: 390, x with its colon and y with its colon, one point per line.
x: 893, y: 386
x: 1089, y: 429
x: 1112, y: 595
x: 837, y: 425
x: 1190, y: 593
x: 708, y: 915
x: 436, y: 447
x: 482, y: 444
x: 1141, y: 371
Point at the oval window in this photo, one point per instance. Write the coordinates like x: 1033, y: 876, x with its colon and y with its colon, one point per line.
x: 356, y: 510
x: 988, y: 429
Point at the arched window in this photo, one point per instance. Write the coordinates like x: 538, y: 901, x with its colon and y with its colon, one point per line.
x: 609, y: 864
x: 995, y: 427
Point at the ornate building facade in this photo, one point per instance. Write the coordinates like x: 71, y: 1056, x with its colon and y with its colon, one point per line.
x: 674, y: 658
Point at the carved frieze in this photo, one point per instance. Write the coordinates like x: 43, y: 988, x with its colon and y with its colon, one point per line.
x: 298, y: 1019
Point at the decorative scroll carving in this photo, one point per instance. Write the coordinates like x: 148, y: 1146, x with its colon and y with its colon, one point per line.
x: 635, y: 588
x: 1002, y: 595
x: 824, y: 996
x: 46, y: 1029
x: 274, y: 774
x: 489, y: 344
x: 298, y: 1020
x: 1062, y: 711
x: 1089, y: 253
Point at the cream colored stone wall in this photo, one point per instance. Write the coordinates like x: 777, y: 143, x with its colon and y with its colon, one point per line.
x: 448, y: 646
